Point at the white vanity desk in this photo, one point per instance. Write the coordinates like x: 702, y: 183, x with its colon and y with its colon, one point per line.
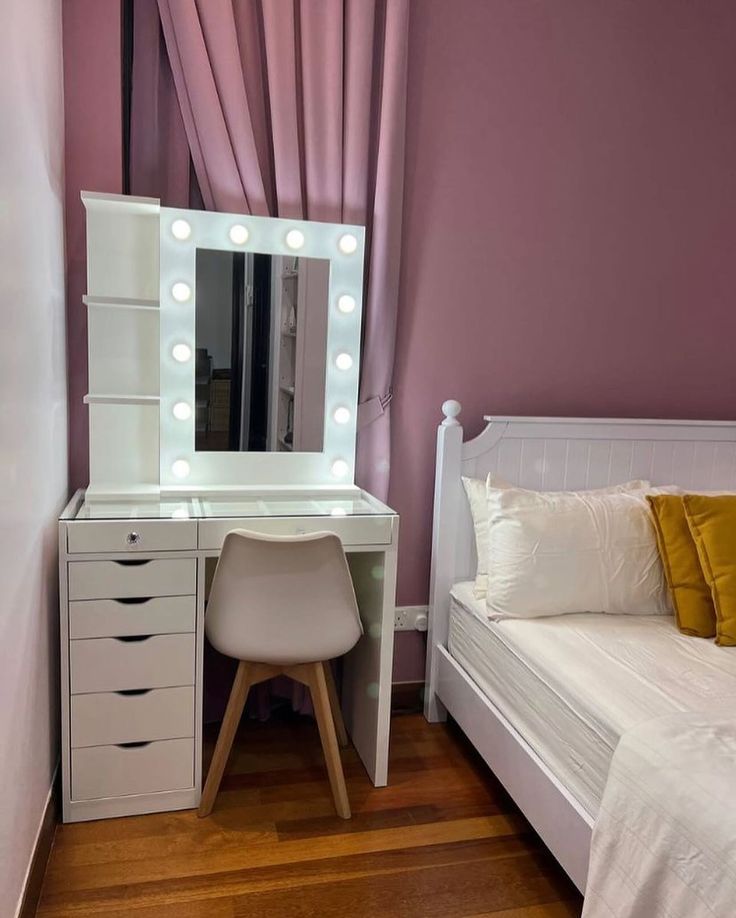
x: 133, y: 602
x: 224, y: 360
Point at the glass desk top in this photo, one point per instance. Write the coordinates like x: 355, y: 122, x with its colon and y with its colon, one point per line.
x: 217, y: 507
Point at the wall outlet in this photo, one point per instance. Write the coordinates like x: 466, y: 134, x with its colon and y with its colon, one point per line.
x: 410, y: 618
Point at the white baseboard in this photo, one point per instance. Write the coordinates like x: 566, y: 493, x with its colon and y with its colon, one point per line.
x: 36, y: 841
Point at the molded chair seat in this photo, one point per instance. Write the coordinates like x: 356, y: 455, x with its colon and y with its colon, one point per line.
x: 283, y: 604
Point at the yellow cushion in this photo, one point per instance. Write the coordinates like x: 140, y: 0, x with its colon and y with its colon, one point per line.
x: 691, y: 595
x: 712, y: 521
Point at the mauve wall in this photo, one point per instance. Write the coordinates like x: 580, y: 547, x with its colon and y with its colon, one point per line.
x: 570, y: 220
x: 33, y: 423
x: 570, y: 224
x: 94, y: 162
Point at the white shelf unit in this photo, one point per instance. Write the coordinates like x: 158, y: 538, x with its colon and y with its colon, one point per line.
x: 123, y: 340
x: 284, y: 309
x: 116, y: 302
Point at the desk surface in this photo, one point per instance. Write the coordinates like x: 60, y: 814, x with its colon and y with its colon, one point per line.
x: 215, y: 507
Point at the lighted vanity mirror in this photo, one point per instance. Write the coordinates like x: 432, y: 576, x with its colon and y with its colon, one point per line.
x: 260, y: 351
x: 260, y: 324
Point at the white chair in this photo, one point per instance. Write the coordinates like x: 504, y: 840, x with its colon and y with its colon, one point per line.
x: 283, y: 604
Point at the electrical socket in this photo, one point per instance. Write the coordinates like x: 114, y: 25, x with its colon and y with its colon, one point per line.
x: 410, y: 618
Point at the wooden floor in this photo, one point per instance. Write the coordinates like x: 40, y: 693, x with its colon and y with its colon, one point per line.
x: 442, y: 840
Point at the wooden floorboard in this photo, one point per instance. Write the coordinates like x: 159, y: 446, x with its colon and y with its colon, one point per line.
x: 442, y: 841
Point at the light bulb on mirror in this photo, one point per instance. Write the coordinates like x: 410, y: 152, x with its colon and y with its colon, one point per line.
x: 181, y: 353
x: 181, y: 292
x: 346, y: 303
x: 340, y: 468
x: 341, y: 415
x: 182, y: 411
x: 343, y: 361
x: 239, y: 234
x: 180, y: 229
x: 295, y: 239
x: 347, y: 244
x: 180, y: 468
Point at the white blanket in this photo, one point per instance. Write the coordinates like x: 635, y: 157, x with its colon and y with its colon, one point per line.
x: 664, y: 844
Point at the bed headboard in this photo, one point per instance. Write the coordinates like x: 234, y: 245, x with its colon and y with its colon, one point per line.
x: 556, y: 454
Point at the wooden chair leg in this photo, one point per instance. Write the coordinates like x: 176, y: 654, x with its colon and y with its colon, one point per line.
x: 321, y: 701
x: 342, y: 733
x: 233, y: 713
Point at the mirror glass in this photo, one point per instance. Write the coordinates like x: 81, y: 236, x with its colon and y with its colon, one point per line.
x: 261, y: 348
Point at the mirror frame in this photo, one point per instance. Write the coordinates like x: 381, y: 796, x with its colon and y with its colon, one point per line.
x: 182, y: 467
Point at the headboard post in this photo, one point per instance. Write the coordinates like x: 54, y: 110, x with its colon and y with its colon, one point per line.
x: 447, y: 499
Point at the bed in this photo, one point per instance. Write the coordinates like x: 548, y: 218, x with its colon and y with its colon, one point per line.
x: 547, y: 701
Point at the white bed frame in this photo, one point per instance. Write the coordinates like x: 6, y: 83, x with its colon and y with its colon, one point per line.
x: 544, y: 454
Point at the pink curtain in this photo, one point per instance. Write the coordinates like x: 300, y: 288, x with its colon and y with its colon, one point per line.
x: 296, y: 108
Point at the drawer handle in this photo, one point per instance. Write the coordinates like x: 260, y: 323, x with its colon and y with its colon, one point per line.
x: 133, y: 638
x: 132, y: 745
x: 134, y: 600
x: 134, y: 563
x: 133, y: 538
x: 133, y: 691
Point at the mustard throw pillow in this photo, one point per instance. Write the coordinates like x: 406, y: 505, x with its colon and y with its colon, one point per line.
x: 691, y: 596
x: 712, y: 521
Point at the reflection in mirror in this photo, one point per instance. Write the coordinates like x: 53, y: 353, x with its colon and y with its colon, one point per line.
x: 261, y: 349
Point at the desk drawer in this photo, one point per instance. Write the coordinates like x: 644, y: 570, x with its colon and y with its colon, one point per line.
x: 132, y: 579
x: 114, y: 771
x: 112, y: 717
x: 96, y: 618
x: 356, y: 530
x: 112, y: 664
x: 131, y: 535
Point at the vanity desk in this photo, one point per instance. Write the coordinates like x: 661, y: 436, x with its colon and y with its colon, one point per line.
x: 133, y: 581
x: 224, y: 357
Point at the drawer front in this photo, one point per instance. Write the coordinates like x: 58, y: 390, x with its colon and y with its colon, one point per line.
x: 132, y: 579
x: 91, y: 618
x: 114, y: 771
x: 357, y: 530
x: 112, y: 665
x: 131, y: 535
x: 112, y: 717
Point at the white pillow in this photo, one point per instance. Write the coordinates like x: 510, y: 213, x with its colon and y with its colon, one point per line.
x: 477, y: 491
x: 555, y: 553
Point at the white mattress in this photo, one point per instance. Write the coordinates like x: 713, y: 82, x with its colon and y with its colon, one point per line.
x: 573, y: 684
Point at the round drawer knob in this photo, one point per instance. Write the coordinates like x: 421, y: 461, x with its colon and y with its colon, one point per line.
x: 133, y: 538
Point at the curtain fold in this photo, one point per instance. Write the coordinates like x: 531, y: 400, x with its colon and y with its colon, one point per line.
x: 296, y: 108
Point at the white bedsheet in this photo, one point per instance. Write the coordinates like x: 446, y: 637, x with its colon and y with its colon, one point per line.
x: 572, y: 685
x: 664, y: 844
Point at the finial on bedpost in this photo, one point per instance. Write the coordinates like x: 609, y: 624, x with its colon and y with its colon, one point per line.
x: 451, y: 409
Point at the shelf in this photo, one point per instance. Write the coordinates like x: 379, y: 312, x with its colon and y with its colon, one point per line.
x: 289, y: 275
x: 117, y: 302
x: 287, y: 390
x: 94, y: 200
x: 110, y: 399
x: 288, y: 334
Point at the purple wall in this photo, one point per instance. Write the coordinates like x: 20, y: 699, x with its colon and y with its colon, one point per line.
x: 93, y: 162
x: 570, y: 224
x: 570, y: 220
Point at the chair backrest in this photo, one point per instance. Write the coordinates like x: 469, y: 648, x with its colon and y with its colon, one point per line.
x: 282, y: 599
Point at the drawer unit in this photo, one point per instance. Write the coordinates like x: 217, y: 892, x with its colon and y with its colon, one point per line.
x: 114, y: 771
x: 119, y: 717
x: 91, y: 618
x: 115, y: 664
x: 355, y: 530
x: 131, y: 535
x: 132, y: 579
